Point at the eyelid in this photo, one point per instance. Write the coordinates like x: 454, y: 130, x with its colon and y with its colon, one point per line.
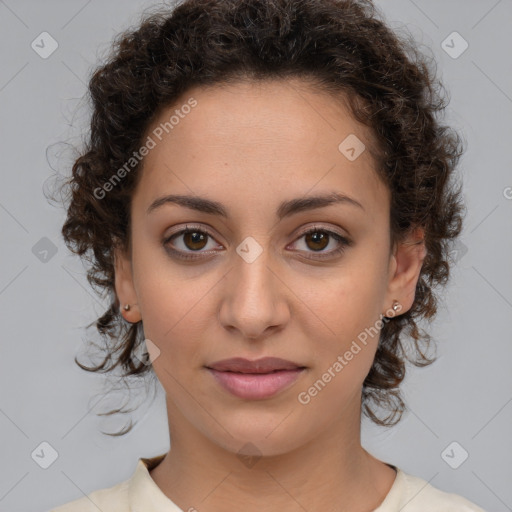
x: 303, y: 231
x: 343, y: 240
x: 328, y: 229
x: 191, y: 227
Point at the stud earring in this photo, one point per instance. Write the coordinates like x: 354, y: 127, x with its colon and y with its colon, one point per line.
x: 396, y: 306
x: 126, y: 307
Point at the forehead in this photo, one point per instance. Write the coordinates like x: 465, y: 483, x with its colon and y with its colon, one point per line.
x: 271, y: 111
x: 274, y: 138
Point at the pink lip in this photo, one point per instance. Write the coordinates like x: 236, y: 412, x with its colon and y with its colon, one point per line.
x: 257, y: 379
x: 256, y: 386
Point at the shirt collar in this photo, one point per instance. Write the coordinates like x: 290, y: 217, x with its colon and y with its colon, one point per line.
x: 143, y: 493
x: 145, y: 496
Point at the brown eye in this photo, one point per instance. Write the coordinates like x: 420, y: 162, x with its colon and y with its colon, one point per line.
x: 195, y: 240
x: 319, y: 240
x: 190, y: 243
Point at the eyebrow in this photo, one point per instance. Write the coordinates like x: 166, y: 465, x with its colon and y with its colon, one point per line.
x: 285, y: 209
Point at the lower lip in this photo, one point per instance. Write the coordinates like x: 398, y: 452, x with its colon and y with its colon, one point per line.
x: 254, y: 386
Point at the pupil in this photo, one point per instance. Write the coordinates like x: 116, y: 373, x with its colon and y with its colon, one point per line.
x: 196, y: 237
x: 318, y: 237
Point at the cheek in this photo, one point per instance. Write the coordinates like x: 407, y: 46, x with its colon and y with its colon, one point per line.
x: 171, y: 299
x: 177, y: 317
x: 344, y: 354
x: 343, y: 321
x: 347, y: 303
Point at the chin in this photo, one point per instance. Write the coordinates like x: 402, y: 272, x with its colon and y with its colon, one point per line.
x: 253, y: 437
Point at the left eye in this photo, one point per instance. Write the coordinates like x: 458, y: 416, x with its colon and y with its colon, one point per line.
x: 317, y: 239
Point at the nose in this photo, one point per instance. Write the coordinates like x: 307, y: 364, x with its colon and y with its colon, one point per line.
x: 255, y: 300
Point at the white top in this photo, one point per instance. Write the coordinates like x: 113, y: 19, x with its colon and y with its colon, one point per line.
x: 141, y: 494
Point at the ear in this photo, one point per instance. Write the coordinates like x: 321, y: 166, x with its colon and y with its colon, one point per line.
x: 125, y: 289
x: 404, y: 270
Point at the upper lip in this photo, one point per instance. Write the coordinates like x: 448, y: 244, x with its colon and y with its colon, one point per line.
x: 263, y: 365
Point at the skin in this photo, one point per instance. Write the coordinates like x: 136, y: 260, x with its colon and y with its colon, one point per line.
x: 251, y: 146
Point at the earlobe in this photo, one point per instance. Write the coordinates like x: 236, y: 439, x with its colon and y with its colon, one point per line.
x: 125, y: 290
x: 408, y: 260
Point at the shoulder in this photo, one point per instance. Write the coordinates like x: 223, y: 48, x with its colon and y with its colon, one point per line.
x: 132, y: 494
x: 420, y: 496
x: 109, y: 499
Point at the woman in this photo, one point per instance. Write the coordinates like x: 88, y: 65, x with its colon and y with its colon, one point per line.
x: 267, y: 194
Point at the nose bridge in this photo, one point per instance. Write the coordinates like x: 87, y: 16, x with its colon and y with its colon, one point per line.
x: 254, y: 278
x: 253, y: 299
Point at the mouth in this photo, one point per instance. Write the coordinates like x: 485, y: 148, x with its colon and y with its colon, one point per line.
x: 263, y: 365
x: 255, y: 380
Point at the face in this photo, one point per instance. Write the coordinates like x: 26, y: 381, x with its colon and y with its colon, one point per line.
x: 259, y: 269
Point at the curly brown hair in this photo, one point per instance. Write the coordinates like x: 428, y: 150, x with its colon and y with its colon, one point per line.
x: 343, y: 47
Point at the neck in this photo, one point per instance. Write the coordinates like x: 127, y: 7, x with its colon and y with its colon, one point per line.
x: 331, y: 472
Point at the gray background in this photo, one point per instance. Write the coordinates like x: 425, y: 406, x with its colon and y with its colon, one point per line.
x: 45, y: 301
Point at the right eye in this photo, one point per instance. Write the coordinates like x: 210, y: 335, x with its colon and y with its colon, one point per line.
x: 190, y: 240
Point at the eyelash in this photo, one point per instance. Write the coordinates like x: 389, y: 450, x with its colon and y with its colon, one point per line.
x: 342, y: 240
